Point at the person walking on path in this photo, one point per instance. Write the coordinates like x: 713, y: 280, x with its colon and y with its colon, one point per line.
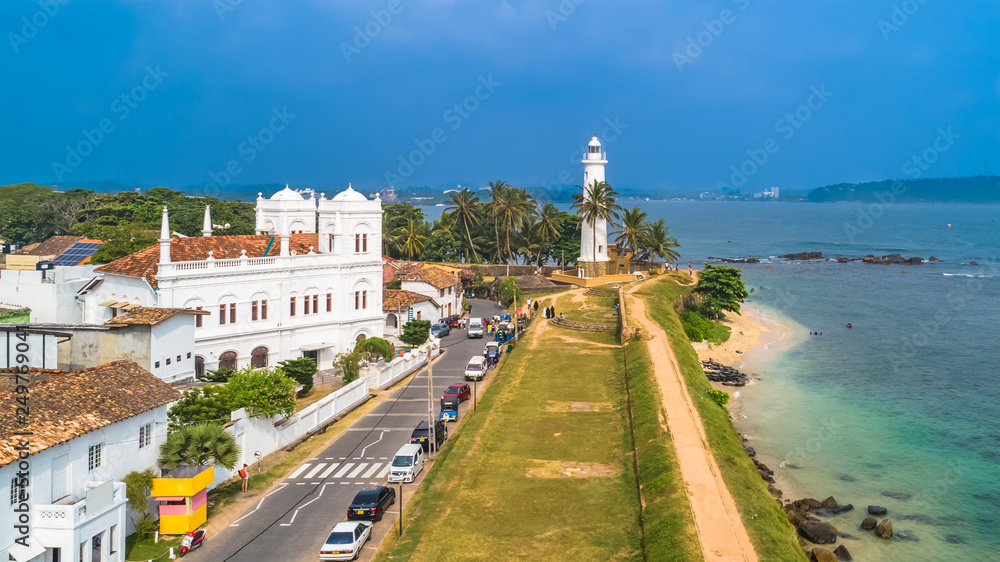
x: 690, y: 272
x: 245, y: 475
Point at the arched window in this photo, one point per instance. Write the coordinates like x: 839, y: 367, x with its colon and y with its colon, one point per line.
x: 258, y: 357
x: 227, y: 360
x: 360, y: 337
x: 390, y: 320
x: 199, y: 366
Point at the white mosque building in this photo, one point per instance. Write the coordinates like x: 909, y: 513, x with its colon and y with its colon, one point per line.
x: 594, y: 261
x: 308, y: 283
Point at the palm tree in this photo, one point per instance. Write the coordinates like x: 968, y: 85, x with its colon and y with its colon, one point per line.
x: 655, y: 242
x: 409, y: 238
x: 633, y: 228
x: 199, y: 444
x: 510, y: 206
x: 596, y: 202
x: 528, y: 242
x: 548, y: 228
x: 497, y: 189
x: 446, y: 222
x: 465, y: 208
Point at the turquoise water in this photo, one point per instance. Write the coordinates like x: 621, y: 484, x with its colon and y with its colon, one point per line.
x: 908, y: 400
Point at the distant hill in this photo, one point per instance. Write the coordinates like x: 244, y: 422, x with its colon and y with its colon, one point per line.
x: 978, y: 189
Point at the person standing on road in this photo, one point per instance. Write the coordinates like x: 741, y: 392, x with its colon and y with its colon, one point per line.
x: 245, y: 475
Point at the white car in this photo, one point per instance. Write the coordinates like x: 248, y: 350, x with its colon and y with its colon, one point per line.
x: 345, y: 540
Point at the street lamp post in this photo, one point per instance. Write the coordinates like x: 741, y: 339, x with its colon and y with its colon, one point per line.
x: 430, y: 398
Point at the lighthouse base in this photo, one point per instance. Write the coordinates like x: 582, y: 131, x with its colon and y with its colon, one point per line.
x: 593, y: 269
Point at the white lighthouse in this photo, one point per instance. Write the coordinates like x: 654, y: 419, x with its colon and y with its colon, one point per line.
x: 593, y: 261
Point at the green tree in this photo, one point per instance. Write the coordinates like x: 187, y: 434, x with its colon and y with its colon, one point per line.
x: 209, y: 403
x: 594, y: 203
x: 137, y: 487
x: 464, y: 206
x: 633, y: 228
x: 263, y: 392
x: 442, y: 246
x: 416, y: 332
x: 566, y: 248
x: 656, y: 243
x: 200, y: 444
x: 121, y: 240
x: 302, y: 370
x: 373, y: 349
x: 510, y: 207
x: 722, y: 288
x: 410, y: 239
x: 510, y: 292
x: 349, y: 365
x: 547, y: 229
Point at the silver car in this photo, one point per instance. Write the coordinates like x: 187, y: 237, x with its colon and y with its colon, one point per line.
x: 345, y: 540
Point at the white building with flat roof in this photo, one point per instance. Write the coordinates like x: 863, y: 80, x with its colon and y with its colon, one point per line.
x: 309, y: 283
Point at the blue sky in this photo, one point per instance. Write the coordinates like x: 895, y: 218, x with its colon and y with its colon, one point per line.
x: 690, y: 88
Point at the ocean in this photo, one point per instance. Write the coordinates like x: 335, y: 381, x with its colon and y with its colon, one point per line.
x: 903, y: 409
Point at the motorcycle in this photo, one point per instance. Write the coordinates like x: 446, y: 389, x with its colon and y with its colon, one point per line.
x: 192, y: 541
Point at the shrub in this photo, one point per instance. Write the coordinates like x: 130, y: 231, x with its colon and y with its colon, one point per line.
x: 144, y: 528
x: 373, y: 349
x: 695, y: 325
x: 210, y: 403
x: 509, y: 291
x: 416, y: 332
x: 219, y: 375
x: 263, y: 392
x: 302, y: 370
x: 349, y: 365
x: 718, y: 396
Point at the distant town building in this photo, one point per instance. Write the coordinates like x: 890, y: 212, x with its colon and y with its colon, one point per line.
x: 293, y: 289
x: 767, y: 194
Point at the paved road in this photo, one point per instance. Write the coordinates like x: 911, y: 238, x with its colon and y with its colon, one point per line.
x: 292, y: 520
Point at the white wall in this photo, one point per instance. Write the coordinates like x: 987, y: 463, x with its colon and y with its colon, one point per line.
x: 50, y: 302
x: 120, y: 288
x: 172, y: 339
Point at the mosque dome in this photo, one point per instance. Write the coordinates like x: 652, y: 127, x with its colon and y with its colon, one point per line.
x: 286, y: 195
x: 350, y: 195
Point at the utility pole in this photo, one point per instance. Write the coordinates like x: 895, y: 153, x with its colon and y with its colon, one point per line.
x: 430, y: 398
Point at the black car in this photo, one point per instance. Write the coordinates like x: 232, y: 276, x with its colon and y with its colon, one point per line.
x: 371, y: 503
x: 419, y: 435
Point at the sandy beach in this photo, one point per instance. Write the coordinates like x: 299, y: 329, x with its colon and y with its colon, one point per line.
x: 752, y: 332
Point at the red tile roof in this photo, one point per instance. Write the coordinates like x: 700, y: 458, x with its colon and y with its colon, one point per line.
x: 196, y: 248
x: 435, y: 276
x: 398, y: 299
x: 65, y: 405
x: 54, y: 246
x: 150, y: 316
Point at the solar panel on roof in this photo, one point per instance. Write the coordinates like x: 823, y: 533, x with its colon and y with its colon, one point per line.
x: 77, y: 253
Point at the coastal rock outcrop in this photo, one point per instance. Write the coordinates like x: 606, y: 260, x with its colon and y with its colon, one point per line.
x: 876, y: 510
x: 842, y: 553
x: 728, y: 376
x: 804, y: 256
x: 818, y: 532
x: 822, y: 555
x: 892, y: 259
x: 933, y: 259
x: 884, y: 529
x: 869, y: 524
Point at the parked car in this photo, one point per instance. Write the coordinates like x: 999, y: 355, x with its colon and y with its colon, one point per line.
x: 440, y: 330
x: 407, y: 463
x: 371, y: 502
x: 460, y: 390
x: 345, y: 540
x: 421, y: 436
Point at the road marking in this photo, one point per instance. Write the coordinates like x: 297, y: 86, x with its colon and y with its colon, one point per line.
x: 329, y: 470
x: 385, y: 471
x: 329, y: 458
x: 345, y: 483
x: 294, y: 515
x: 372, y: 470
x: 314, y: 471
x: 343, y: 470
x: 260, y: 503
x: 323, y: 489
x: 358, y: 470
x: 299, y: 470
x: 383, y: 458
x: 380, y: 435
x: 300, y: 483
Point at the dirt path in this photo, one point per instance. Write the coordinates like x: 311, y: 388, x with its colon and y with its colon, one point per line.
x: 720, y: 529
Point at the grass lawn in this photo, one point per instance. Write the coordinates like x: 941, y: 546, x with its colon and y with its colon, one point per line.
x: 772, y: 535
x: 146, y: 549
x: 496, y: 491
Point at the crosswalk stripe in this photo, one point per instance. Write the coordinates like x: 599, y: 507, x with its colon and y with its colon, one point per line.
x: 313, y: 472
x: 385, y: 471
x: 343, y: 470
x: 299, y: 470
x: 330, y: 470
x: 372, y: 470
x: 358, y: 470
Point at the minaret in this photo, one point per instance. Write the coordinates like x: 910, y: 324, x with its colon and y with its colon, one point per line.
x: 164, y: 238
x: 206, y: 228
x: 593, y: 261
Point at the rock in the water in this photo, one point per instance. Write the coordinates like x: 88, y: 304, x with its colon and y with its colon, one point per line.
x: 876, y: 510
x: 973, y: 263
x: 829, y: 503
x: 818, y: 532
x: 751, y: 451
x: 847, y: 478
x: 906, y: 536
x: 822, y: 555
x: 804, y: 256
x: 794, y: 518
x: 843, y: 508
x: 775, y: 492
x: 954, y: 539
x: 902, y: 496
x: 869, y: 524
x: 919, y: 518
x: 808, y: 504
x: 884, y: 529
x: 842, y: 553
x: 933, y: 259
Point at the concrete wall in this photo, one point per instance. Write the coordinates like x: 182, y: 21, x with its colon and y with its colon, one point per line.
x: 173, y: 340
x: 52, y: 300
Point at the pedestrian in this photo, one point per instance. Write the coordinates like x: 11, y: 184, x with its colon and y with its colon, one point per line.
x: 529, y: 301
x: 689, y: 268
x: 562, y: 316
x: 536, y: 306
x: 245, y: 475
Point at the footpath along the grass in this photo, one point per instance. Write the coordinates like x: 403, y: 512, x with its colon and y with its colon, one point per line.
x: 542, y: 470
x: 772, y: 536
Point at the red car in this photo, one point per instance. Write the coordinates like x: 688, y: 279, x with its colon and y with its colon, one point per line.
x: 459, y: 390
